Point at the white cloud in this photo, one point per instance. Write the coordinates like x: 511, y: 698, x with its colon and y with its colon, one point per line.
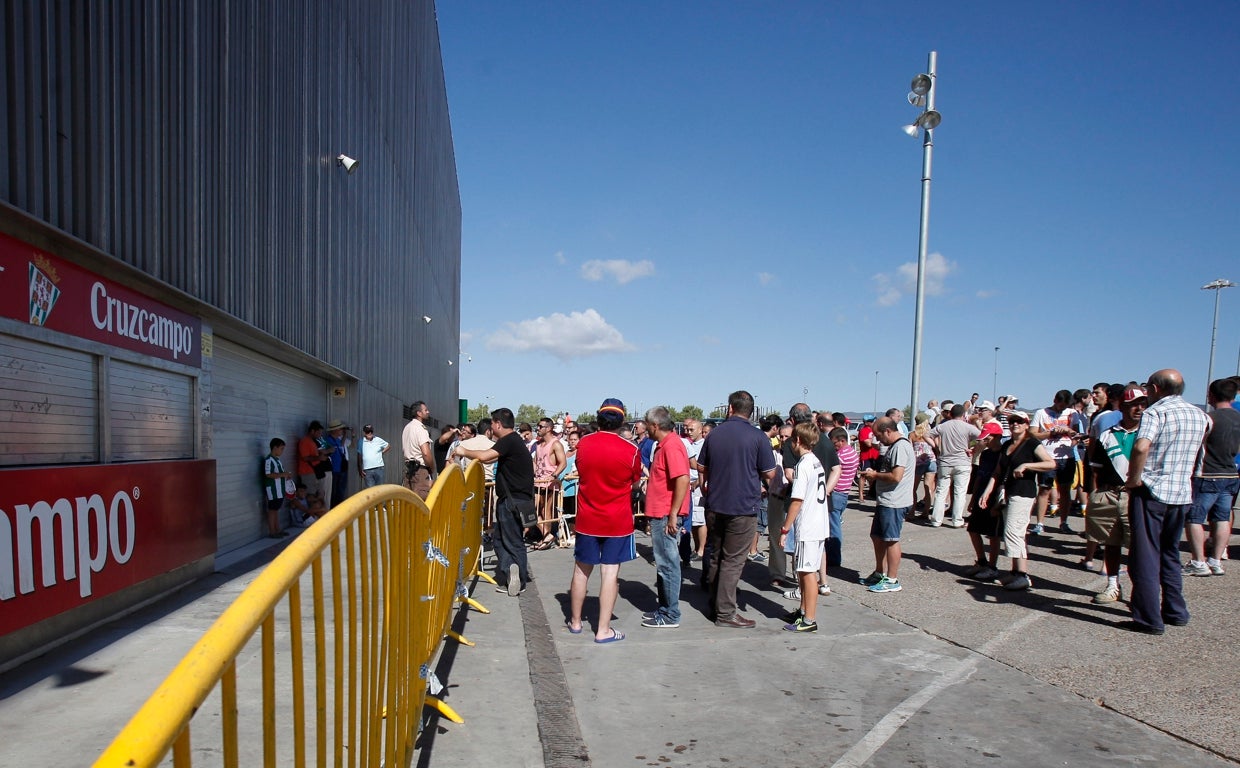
x: 559, y: 258
x: 621, y: 270
x: 711, y: 341
x: 765, y: 278
x: 891, y: 287
x: 986, y: 293
x: 466, y: 338
x: 577, y: 334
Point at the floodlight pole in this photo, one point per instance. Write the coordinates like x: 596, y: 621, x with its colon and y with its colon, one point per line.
x: 927, y: 145
x: 995, y: 391
x: 1217, y: 286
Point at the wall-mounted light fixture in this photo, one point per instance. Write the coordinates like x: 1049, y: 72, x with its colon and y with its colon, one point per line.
x: 346, y: 162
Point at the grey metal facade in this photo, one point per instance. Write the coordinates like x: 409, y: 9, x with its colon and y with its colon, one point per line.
x: 196, y: 141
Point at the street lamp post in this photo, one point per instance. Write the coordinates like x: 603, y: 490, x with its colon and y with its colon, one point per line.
x: 922, y: 95
x: 876, y: 392
x: 1217, y: 286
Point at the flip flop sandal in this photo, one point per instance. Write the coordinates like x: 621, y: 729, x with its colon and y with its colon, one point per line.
x: 568, y: 624
x: 615, y: 638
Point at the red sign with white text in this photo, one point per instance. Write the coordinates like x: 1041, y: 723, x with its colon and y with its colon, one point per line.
x: 41, y: 289
x: 70, y: 535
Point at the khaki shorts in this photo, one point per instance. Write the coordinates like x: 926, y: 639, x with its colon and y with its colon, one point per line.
x: 1107, y: 520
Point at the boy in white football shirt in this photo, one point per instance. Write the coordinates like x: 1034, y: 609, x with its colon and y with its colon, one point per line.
x: 807, y: 510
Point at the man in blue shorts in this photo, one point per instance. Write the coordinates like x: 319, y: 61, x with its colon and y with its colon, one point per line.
x: 893, y: 479
x: 608, y: 467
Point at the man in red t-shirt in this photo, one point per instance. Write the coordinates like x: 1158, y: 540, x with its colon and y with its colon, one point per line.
x: 867, y: 449
x: 667, y: 506
x: 608, y: 466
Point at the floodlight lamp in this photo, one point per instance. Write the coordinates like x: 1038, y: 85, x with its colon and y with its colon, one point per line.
x: 346, y: 162
x: 910, y: 129
x: 1217, y: 284
x: 426, y: 319
x: 916, y: 99
x: 921, y: 85
x: 930, y: 119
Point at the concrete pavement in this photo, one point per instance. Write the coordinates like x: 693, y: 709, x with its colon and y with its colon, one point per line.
x: 948, y: 672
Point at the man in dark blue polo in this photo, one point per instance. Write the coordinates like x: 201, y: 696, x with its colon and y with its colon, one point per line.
x: 732, y: 465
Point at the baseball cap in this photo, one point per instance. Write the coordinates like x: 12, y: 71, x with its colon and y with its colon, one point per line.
x: 1016, y: 413
x: 985, y: 405
x: 1132, y: 394
x: 1013, y: 399
x: 558, y: 429
x: 611, y: 412
x: 368, y: 428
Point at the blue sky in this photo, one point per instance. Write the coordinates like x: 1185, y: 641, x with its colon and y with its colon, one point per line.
x: 665, y: 202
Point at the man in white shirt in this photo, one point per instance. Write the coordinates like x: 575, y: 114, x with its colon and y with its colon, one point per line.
x: 415, y: 444
x: 371, y: 451
x: 954, y: 439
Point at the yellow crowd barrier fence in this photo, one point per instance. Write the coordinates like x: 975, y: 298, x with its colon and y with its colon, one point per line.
x: 340, y: 678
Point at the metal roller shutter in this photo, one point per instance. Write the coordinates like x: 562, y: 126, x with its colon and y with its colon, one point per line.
x: 253, y: 399
x: 152, y: 413
x: 49, y: 404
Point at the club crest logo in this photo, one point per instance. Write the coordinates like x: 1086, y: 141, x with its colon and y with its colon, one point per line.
x: 43, y: 290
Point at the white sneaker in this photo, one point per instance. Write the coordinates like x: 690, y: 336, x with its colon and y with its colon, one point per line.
x: 1109, y: 595
x: 1195, y: 569
x: 514, y: 580
x: 792, y: 594
x: 1018, y: 583
x: 1216, y: 568
x: 823, y: 589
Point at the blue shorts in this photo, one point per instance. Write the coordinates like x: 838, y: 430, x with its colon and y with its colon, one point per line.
x: 1063, y: 474
x: 887, y: 523
x: 1212, y: 499
x: 604, y: 550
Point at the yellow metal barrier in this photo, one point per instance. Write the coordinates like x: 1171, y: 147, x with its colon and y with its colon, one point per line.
x: 395, y: 567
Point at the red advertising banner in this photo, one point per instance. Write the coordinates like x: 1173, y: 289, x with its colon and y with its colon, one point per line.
x: 41, y: 289
x: 70, y: 535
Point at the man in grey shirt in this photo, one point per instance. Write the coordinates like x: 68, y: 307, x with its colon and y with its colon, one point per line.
x: 894, y: 481
x: 953, y: 439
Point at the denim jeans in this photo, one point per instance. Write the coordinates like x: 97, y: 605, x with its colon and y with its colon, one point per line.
x: 835, y: 542
x: 1213, y: 499
x: 667, y: 566
x: 509, y: 543
x: 373, y: 477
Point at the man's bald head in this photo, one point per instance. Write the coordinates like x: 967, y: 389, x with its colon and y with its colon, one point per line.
x: 1167, y: 382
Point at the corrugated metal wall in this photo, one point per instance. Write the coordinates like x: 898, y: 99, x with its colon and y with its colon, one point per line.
x: 197, y: 142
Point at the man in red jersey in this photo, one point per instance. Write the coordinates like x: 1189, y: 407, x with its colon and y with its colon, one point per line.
x: 608, y: 466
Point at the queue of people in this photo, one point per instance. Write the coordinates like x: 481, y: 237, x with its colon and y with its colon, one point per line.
x: 1136, y: 461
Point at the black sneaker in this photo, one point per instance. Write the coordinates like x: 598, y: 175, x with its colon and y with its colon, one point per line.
x: 801, y: 625
x: 791, y: 617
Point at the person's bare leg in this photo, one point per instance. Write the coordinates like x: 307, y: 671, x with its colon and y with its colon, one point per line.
x: 577, y: 592
x: 608, y: 590
x: 1044, y: 497
x: 1221, y: 531
x: 1196, y: 535
x: 893, y: 560
x: 809, y: 595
